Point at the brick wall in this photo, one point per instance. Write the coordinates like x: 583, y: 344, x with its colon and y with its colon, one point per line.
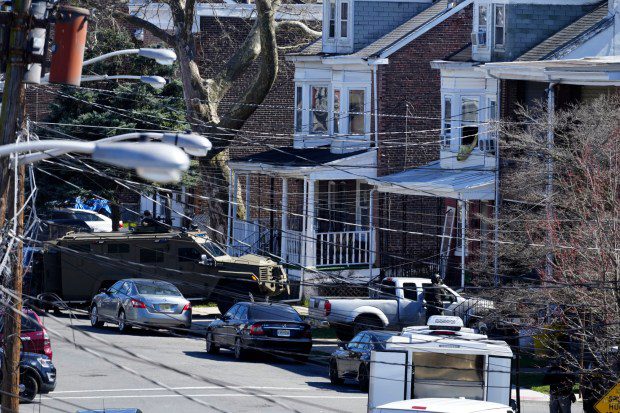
x: 527, y: 25
x: 373, y: 19
x: 409, y: 122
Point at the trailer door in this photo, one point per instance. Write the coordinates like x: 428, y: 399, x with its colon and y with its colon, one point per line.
x: 498, y: 379
x: 388, y: 378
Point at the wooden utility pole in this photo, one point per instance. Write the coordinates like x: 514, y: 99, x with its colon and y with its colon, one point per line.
x: 13, y: 104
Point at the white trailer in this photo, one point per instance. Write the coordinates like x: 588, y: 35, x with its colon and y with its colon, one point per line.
x: 440, y: 360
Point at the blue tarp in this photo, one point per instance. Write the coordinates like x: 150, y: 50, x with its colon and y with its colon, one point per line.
x: 93, y: 204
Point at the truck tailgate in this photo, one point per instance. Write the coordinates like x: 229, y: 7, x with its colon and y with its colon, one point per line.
x: 316, y: 308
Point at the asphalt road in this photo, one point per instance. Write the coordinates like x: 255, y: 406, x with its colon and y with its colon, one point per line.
x: 94, y: 379
x: 157, y: 372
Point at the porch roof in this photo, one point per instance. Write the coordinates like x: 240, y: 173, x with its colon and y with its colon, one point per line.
x: 313, y: 163
x: 590, y: 71
x: 432, y: 180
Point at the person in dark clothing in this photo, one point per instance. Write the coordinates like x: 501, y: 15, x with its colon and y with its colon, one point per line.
x: 561, y: 382
x: 432, y: 295
x: 148, y: 220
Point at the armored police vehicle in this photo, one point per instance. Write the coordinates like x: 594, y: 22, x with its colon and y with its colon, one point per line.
x: 78, y: 265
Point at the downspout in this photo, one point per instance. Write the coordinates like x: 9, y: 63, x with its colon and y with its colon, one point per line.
x: 376, y: 104
x: 230, y: 208
x: 463, y: 240
x: 371, y: 234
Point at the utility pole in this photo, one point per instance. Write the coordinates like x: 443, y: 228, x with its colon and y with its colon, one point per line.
x: 13, y: 104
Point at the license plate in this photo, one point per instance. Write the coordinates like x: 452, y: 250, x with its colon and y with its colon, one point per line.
x: 165, y: 307
x: 283, y: 333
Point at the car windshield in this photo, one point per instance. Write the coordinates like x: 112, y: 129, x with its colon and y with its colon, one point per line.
x: 382, y: 338
x: 157, y: 289
x: 274, y: 313
x: 213, y: 249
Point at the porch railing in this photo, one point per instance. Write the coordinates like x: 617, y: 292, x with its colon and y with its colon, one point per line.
x: 343, y: 248
x: 293, y: 251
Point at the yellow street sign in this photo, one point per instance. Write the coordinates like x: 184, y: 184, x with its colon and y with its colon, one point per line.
x: 610, y: 403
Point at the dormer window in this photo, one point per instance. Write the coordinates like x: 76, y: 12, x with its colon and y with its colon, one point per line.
x: 500, y: 25
x: 337, y: 26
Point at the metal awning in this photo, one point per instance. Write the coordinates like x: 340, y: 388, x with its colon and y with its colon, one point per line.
x: 589, y: 71
x: 432, y: 180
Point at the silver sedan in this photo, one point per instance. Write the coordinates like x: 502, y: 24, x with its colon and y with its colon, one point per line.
x: 142, y: 303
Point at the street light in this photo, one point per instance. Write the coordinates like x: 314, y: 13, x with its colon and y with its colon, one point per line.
x: 152, y: 161
x: 192, y: 144
x: 164, y: 57
x: 156, y: 82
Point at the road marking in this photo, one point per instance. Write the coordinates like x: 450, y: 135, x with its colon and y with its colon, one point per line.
x: 183, y: 388
x: 154, y: 396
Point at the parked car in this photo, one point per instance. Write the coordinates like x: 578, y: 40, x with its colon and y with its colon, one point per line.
x: 95, y: 221
x: 141, y: 302
x: 268, y: 327
x: 443, y: 406
x: 352, y: 360
x: 393, y: 304
x: 38, y: 375
x: 34, y: 336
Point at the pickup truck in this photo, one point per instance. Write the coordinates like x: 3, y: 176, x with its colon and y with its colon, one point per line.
x: 394, y: 303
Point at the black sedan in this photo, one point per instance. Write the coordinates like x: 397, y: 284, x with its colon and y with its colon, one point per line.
x: 38, y: 375
x: 352, y: 360
x: 260, y: 327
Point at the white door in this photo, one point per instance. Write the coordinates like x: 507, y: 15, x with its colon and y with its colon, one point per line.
x: 388, y: 378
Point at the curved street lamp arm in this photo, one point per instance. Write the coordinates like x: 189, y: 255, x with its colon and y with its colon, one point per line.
x: 109, y: 55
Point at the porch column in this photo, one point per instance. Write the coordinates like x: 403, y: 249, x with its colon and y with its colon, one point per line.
x: 311, y: 233
x: 284, y: 236
x: 234, y: 185
x: 248, y: 213
x: 371, y: 232
x: 463, y: 240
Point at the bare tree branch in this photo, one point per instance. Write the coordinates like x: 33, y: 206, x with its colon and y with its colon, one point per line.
x: 287, y: 24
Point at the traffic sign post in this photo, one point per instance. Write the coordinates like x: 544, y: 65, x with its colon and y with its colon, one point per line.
x: 610, y: 403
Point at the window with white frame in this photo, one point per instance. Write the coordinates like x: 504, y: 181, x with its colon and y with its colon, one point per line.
x: 299, y: 109
x: 499, y: 24
x: 319, y: 109
x: 480, y: 39
x: 469, y: 120
x: 338, y: 16
x: 331, y: 110
x: 488, y: 139
x: 446, y: 135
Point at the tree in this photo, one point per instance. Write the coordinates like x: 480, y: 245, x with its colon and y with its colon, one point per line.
x: 90, y: 113
x: 575, y: 311
x: 204, y: 95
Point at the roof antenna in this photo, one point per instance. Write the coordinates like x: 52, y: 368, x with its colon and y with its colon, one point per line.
x: 251, y: 296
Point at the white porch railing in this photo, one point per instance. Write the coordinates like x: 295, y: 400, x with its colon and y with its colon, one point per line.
x: 343, y: 248
x: 292, y: 254
x: 250, y: 238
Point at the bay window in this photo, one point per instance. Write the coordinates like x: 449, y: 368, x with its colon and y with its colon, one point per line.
x: 331, y: 110
x: 318, y: 109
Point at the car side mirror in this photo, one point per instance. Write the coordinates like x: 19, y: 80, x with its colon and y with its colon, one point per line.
x: 207, y: 260
x: 343, y: 345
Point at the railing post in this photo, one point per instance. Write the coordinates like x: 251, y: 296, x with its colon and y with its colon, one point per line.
x: 311, y: 257
x: 370, y: 241
x: 230, y: 206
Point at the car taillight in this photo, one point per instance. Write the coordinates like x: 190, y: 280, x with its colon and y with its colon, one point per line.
x: 328, y: 308
x: 47, y: 345
x: 257, y: 330
x: 137, y: 304
x: 188, y: 306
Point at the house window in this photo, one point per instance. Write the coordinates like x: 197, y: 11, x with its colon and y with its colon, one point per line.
x: 299, y: 110
x: 469, y: 121
x: 336, y: 111
x: 500, y: 25
x: 356, y: 112
x: 344, y: 19
x: 318, y: 109
x: 447, y: 121
x: 481, y: 39
x: 332, y: 19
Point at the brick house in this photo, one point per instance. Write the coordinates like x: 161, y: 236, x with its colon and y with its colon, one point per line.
x: 466, y: 172
x: 373, y: 62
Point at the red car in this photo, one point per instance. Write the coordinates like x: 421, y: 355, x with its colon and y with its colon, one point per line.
x: 34, y: 336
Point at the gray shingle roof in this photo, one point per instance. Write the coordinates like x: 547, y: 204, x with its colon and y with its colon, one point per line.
x: 439, y: 8
x: 572, y: 34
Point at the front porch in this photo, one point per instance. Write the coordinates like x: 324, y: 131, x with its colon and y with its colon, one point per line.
x: 305, y: 216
